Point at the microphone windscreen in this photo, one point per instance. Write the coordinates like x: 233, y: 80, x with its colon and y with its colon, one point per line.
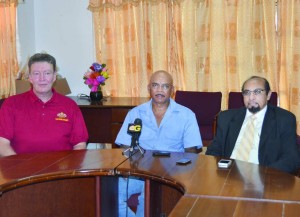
x: 138, y: 121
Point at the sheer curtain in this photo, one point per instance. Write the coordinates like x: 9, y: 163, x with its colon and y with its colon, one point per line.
x: 235, y: 40
x: 136, y: 38
x: 289, y: 56
x: 8, y: 53
x: 207, y: 45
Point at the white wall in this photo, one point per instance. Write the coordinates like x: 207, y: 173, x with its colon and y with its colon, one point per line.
x: 62, y: 28
x: 26, y: 28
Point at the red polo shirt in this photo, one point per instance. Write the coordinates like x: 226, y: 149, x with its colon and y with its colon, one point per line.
x: 34, y: 126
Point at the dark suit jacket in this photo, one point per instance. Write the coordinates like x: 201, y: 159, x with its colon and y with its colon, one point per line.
x: 277, y: 146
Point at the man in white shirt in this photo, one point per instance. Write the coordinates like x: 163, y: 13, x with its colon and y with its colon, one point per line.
x: 274, y: 138
x: 166, y: 126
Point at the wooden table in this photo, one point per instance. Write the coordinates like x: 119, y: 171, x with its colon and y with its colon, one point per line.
x: 68, y: 183
x: 84, y: 183
x: 104, y: 119
x: 243, y: 190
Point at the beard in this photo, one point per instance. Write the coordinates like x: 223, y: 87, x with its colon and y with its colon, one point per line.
x: 254, y: 110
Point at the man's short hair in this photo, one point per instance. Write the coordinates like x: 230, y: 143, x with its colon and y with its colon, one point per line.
x: 267, y: 85
x: 42, y: 57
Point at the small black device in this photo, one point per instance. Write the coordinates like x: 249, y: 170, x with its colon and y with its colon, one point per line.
x: 183, y: 161
x: 224, y: 163
x: 161, y: 154
x: 135, y: 131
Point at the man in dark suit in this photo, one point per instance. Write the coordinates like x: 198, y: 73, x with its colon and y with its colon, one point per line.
x: 273, y: 140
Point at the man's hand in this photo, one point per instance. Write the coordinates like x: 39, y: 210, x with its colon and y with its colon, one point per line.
x: 5, y: 147
x: 79, y: 146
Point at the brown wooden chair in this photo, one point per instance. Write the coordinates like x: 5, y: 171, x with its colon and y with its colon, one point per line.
x: 205, y: 105
x: 235, y: 100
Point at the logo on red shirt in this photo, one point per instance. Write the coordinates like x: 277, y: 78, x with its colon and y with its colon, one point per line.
x: 61, y: 117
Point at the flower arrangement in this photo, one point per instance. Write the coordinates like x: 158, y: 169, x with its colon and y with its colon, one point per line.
x: 96, y: 76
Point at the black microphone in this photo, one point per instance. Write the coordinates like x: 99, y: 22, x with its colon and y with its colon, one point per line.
x: 135, y: 130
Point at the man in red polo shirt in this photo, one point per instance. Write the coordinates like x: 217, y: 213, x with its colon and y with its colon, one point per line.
x: 41, y: 119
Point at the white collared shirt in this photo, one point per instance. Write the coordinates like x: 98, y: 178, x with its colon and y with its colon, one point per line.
x: 258, y: 126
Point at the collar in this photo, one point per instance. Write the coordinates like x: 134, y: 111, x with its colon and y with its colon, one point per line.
x: 172, y: 105
x: 34, y: 97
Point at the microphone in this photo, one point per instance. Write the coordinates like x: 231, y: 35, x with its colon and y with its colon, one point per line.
x: 135, y: 130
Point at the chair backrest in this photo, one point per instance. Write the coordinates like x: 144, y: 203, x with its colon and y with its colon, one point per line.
x: 1, y: 101
x: 205, y: 105
x: 235, y: 100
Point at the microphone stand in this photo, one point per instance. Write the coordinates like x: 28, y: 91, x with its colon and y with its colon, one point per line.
x: 142, y: 151
x: 134, y: 143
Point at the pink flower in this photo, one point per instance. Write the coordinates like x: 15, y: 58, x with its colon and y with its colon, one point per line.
x: 96, y: 76
x: 88, y: 74
x: 93, y: 82
x: 94, y: 88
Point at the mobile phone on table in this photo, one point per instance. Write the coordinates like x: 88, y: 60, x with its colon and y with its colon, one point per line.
x: 161, y: 154
x: 183, y: 161
x: 224, y: 163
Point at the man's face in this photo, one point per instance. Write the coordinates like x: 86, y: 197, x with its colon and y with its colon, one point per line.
x: 255, y: 96
x: 160, y: 88
x: 42, y: 77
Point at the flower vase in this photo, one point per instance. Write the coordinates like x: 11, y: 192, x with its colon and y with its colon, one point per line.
x: 96, y: 96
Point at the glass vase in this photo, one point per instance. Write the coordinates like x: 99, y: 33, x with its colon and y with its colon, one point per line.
x: 96, y: 96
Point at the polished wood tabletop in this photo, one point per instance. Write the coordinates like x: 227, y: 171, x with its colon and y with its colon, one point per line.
x: 203, y: 177
x: 24, y: 169
x: 242, y: 190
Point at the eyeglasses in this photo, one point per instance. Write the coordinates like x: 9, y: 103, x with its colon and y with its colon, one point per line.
x: 256, y: 92
x: 156, y: 86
